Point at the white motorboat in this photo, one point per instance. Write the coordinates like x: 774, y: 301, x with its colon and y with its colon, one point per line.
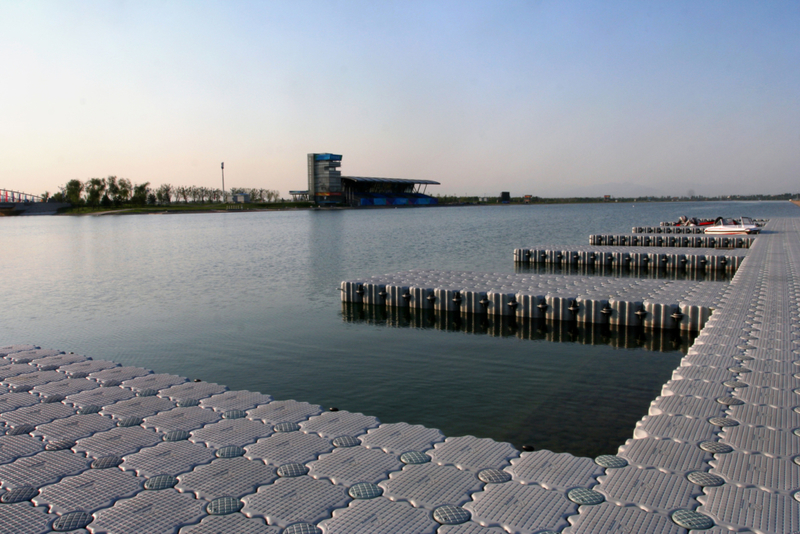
x: 722, y: 226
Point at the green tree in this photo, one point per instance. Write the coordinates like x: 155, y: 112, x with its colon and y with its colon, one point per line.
x: 164, y: 194
x: 94, y: 190
x: 72, y: 191
x: 140, y: 192
x: 112, y: 189
x: 125, y: 189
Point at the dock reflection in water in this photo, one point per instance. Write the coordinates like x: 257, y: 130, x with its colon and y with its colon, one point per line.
x: 623, y: 272
x: 531, y: 329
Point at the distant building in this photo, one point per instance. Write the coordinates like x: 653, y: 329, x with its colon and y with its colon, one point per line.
x: 241, y: 198
x: 327, y: 186
x: 505, y: 197
x: 324, y: 178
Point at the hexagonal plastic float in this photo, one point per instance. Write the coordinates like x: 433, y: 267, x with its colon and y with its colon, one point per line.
x: 13, y: 447
x: 677, y: 427
x: 773, y: 396
x: 12, y: 349
x: 119, y: 373
x: 751, y: 508
x: 90, y: 491
x: 607, y: 517
x: 379, y: 516
x: 650, y: 489
x: 334, y: 424
x: 231, y: 432
x: 771, y: 380
x: 68, y: 386
x: 288, y: 447
x: 235, y: 400
x: 34, y: 379
x: 12, y: 401
x: 295, y: 500
x: 75, y: 427
x: 101, y: 396
x: 120, y: 441
x: 192, y: 390
x: 348, y: 466
x: 168, y: 458
x: 149, y: 511
x: 759, y: 439
x: 776, y: 474
x: 154, y: 381
x: 698, y: 388
x: 554, y: 471
x: 43, y: 468
x: 58, y: 360
x: 519, y: 508
x: 139, y: 407
x: 235, y: 477
x: 769, y: 416
x: 22, y: 517
x: 234, y: 523
x: 37, y: 414
x: 696, y: 372
x: 430, y: 485
x: 398, y: 438
x: 473, y: 454
x: 188, y: 419
x: 87, y: 367
x: 689, y: 406
x: 284, y: 411
x: 33, y: 354
x: 674, y: 456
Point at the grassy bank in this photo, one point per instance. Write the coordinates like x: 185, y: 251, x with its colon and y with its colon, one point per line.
x: 182, y: 208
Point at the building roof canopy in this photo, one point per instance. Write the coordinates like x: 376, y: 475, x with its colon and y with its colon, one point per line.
x: 389, y: 180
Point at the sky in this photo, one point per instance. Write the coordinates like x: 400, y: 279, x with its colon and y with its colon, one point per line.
x: 550, y: 98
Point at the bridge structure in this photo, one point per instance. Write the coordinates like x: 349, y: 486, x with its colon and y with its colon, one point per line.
x: 7, y: 195
x: 19, y: 203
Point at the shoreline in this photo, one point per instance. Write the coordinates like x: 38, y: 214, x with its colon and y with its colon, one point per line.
x: 162, y: 210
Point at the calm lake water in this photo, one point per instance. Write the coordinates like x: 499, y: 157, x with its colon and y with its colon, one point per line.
x: 251, y: 300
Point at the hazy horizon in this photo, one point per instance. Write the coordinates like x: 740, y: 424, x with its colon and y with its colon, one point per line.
x: 542, y: 98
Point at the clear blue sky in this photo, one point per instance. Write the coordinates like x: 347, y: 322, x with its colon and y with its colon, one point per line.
x: 545, y: 98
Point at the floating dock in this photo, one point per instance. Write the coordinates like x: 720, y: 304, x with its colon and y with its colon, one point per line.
x: 668, y: 304
x: 693, y: 241
x: 92, y: 445
x: 634, y: 257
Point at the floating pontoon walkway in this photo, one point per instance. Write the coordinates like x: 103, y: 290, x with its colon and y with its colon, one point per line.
x: 683, y: 304
x: 694, y: 241
x: 92, y: 445
x: 681, y: 259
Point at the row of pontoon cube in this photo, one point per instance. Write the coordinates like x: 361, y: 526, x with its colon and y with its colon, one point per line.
x: 647, y: 240
x: 680, y: 261
x: 667, y: 311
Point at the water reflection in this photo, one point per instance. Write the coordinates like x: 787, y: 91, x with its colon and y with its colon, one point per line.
x: 624, y: 337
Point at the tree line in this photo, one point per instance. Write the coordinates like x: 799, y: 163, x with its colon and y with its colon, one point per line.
x: 115, y: 192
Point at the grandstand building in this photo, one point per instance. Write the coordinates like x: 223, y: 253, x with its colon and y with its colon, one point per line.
x: 327, y: 187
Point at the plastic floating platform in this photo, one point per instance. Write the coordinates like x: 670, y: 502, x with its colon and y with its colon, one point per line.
x: 665, y: 304
x: 719, y: 450
x: 635, y: 257
x: 657, y: 240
